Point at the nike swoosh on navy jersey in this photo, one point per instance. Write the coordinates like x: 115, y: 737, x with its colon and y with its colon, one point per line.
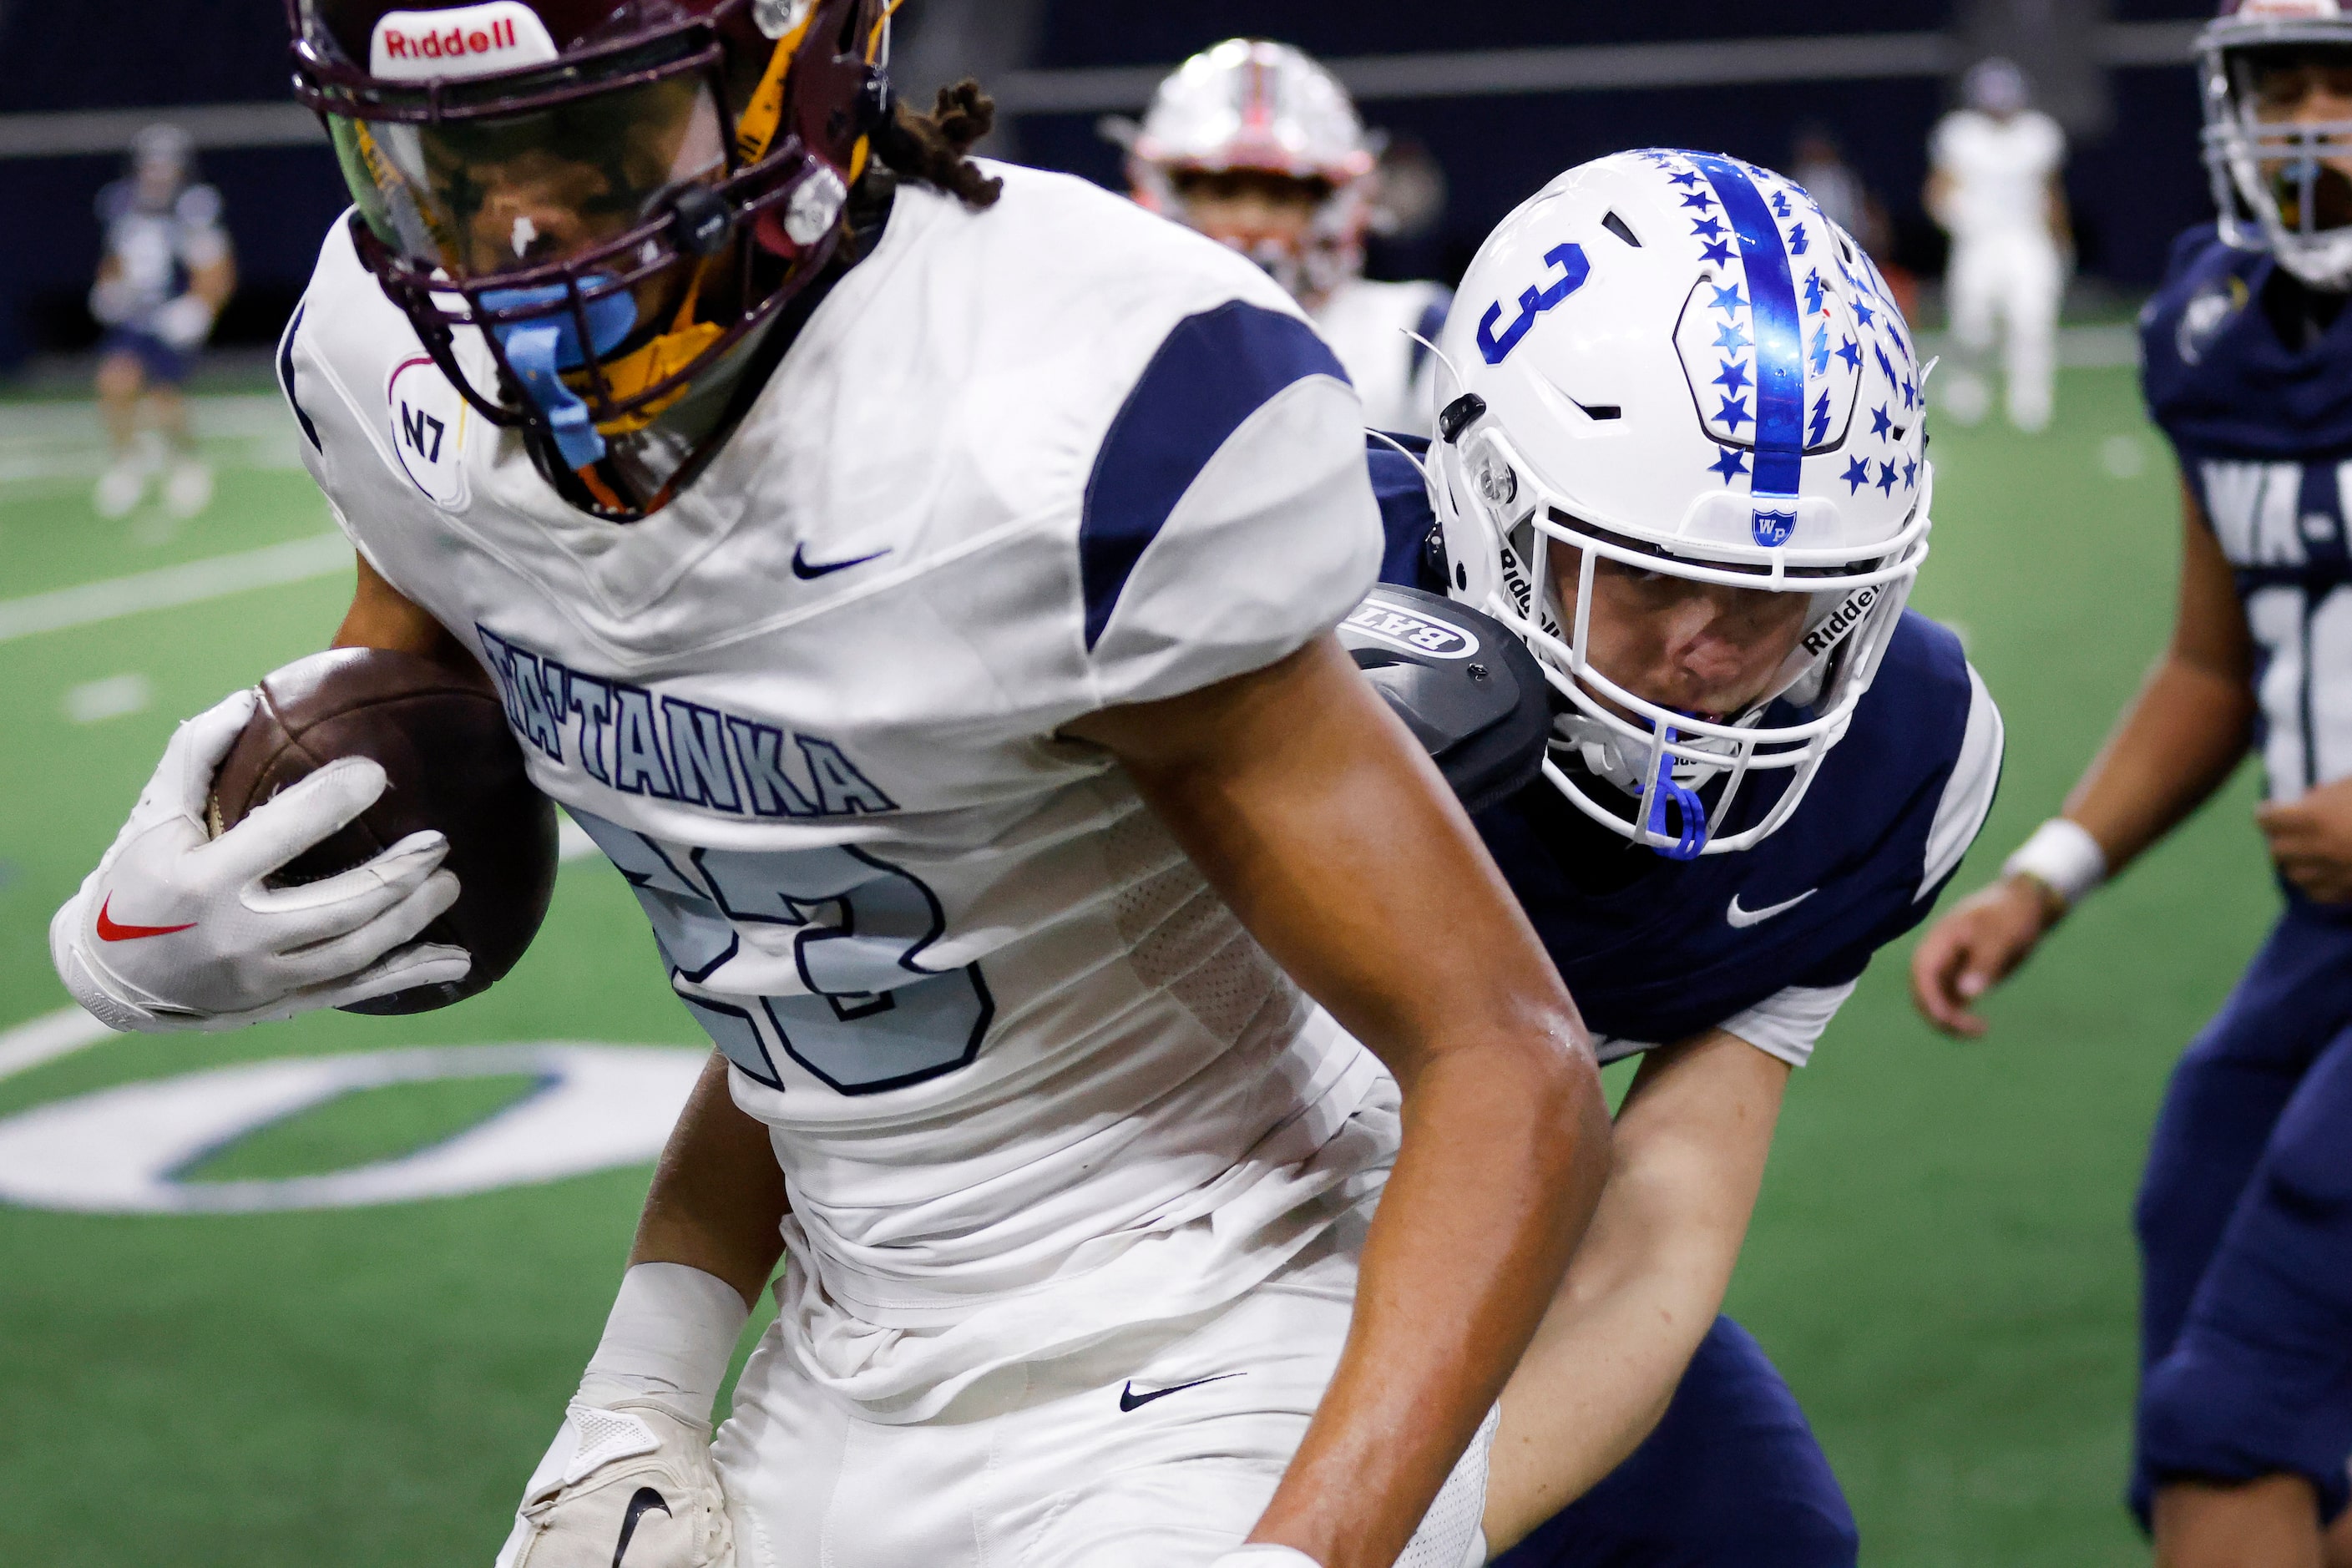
x: 1130, y: 1400
x: 1744, y: 917
x: 807, y: 570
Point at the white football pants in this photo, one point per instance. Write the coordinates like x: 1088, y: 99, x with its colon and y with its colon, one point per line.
x: 1156, y: 1448
x: 2010, y: 280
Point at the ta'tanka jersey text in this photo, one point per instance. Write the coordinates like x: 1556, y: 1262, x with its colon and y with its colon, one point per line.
x: 1768, y: 942
x: 2249, y: 377
x: 1020, y: 464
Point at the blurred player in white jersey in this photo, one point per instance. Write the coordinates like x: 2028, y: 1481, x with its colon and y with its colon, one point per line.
x: 166, y: 272
x: 1257, y: 146
x: 1994, y: 187
x: 918, y: 578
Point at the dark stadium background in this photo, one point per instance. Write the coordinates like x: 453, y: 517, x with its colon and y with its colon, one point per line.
x: 2131, y: 191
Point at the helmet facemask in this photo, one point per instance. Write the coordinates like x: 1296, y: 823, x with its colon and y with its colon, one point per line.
x: 2281, y: 182
x: 576, y: 241
x: 1672, y: 781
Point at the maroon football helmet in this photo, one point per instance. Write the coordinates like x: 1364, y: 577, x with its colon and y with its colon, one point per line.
x: 582, y: 181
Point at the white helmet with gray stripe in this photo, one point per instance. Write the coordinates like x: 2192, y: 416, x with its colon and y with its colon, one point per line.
x: 1672, y: 359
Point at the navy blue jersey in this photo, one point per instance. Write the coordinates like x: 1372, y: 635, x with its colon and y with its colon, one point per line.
x: 1657, y: 950
x: 2250, y: 375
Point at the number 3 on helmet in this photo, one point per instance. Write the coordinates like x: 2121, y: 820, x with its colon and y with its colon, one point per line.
x: 1673, y: 360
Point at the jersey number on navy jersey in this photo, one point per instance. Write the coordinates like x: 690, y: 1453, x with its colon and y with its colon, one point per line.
x: 874, y: 1019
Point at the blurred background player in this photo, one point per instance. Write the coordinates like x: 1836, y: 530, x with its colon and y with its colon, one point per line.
x: 1993, y: 185
x: 1257, y: 146
x: 1758, y: 778
x: 1816, y: 162
x: 166, y: 272
x: 2245, y: 1211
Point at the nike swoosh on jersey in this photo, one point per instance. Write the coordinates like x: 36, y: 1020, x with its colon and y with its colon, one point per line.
x: 1130, y: 1400
x: 808, y: 571
x: 110, y: 930
x: 1743, y: 919
x: 644, y: 1502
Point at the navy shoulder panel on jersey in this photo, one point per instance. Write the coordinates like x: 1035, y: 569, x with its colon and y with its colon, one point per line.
x: 1212, y: 372
x: 1406, y: 517
x: 1683, y: 945
x: 2219, y: 379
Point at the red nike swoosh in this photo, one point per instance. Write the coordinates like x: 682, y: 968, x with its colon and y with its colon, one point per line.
x: 108, y: 930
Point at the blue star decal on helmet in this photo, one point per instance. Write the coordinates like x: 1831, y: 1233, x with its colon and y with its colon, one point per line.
x: 1910, y: 394
x: 1733, y: 377
x: 1719, y: 253
x: 1820, y: 349
x: 1728, y: 300
x: 1886, y: 477
x: 1862, y: 313
x: 1910, y: 473
x: 1727, y: 335
x: 1879, y: 422
x: 1708, y: 227
x: 1698, y: 199
x: 1734, y: 413
x: 1730, y: 465
x: 1686, y: 179
x: 1850, y: 351
x: 1856, y: 475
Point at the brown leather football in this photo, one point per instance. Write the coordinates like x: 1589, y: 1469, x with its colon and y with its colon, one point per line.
x: 441, y: 735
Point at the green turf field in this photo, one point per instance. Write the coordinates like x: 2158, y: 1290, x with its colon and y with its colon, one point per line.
x: 1941, y: 1263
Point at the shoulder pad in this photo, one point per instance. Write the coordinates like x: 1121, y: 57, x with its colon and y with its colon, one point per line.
x: 1463, y: 684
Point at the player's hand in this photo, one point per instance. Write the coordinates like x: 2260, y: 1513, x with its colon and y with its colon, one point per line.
x: 1974, y: 948
x: 183, y: 322
x: 631, y: 1486
x: 177, y: 929
x: 2311, y: 841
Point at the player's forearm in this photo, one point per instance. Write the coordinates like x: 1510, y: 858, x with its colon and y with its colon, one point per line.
x: 214, y: 283
x: 1503, y: 1161
x: 717, y: 1197
x: 1686, y: 1160
x: 2176, y: 743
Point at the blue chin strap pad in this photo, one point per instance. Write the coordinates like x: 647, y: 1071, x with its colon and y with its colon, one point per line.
x: 1690, y: 828
x: 540, y: 351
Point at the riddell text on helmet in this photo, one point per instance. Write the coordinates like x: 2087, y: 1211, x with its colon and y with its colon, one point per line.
x: 466, y: 40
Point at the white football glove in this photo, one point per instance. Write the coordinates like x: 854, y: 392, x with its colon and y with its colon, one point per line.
x: 629, y: 1481
x: 112, y: 301
x: 183, y: 322
x: 176, y: 929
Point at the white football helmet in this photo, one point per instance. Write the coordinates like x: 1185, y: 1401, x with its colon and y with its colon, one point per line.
x: 1674, y: 360
x: 1247, y: 104
x: 2284, y: 218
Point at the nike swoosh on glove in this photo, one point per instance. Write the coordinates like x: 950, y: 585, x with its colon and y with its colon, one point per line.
x: 631, y: 1486
x: 178, y: 929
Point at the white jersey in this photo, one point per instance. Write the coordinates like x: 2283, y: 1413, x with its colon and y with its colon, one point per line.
x: 1369, y: 326
x: 1020, y: 464
x: 153, y: 251
x: 2000, y: 173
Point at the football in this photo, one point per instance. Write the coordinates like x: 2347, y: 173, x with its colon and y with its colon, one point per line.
x: 441, y: 736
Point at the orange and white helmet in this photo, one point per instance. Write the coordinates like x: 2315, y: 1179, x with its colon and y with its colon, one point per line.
x: 1247, y: 105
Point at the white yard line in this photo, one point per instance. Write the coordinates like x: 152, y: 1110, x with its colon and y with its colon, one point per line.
x: 48, y: 1037
x: 193, y: 583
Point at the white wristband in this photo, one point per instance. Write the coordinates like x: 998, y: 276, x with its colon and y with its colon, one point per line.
x: 2063, y: 857
x: 1265, y: 1555
x: 669, y: 1338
